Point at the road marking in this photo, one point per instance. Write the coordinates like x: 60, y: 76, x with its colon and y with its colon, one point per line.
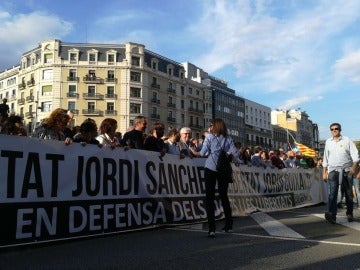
x: 272, y: 237
x: 274, y: 227
x: 342, y: 220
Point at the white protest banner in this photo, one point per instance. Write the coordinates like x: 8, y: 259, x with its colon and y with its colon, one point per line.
x: 50, y: 191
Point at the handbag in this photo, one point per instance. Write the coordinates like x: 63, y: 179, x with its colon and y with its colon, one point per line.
x: 223, y: 165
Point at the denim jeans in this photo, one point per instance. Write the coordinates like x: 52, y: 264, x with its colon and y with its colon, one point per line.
x: 347, y: 183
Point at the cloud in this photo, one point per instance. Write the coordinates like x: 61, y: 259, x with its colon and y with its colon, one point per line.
x: 349, y: 66
x: 295, y: 102
x: 22, y: 32
x: 285, y: 48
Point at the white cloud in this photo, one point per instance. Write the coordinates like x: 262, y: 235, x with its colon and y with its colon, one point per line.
x: 349, y: 66
x: 22, y: 32
x: 284, y: 50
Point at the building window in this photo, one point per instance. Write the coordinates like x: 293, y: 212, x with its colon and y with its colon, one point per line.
x: 72, y: 90
x: 71, y: 106
x: 92, y: 58
x: 48, y: 74
x: 135, y: 92
x: 111, y: 76
x: 48, y: 58
x: 182, y: 104
x: 110, y: 106
x: 111, y: 59
x: 91, y: 107
x: 182, y: 118
x: 91, y: 89
x: 72, y: 73
x: 46, y: 106
x: 92, y: 74
x: 47, y: 90
x: 154, y: 65
x: 73, y: 58
x: 135, y: 61
x: 182, y: 90
x: 190, y: 90
x: 135, y: 108
x: 135, y: 76
x: 110, y: 91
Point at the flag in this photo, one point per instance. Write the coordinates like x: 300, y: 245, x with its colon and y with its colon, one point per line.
x: 305, y: 150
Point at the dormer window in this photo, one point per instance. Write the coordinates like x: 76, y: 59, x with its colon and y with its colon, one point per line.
x: 73, y: 58
x: 93, y: 57
x: 135, y: 61
x: 111, y: 59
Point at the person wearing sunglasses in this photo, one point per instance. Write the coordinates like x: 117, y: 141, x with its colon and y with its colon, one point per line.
x: 339, y: 164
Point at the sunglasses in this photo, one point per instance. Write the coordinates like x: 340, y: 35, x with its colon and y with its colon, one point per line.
x: 332, y: 129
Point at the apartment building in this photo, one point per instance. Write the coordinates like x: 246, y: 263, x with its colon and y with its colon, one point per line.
x: 9, y: 87
x: 220, y: 101
x: 258, y: 127
x: 107, y: 80
x: 306, y: 132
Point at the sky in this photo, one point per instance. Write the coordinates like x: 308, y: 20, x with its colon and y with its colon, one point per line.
x: 284, y: 54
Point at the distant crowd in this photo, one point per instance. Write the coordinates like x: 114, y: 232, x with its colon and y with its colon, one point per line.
x: 57, y: 126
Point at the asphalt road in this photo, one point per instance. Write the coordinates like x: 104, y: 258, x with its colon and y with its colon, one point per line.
x: 296, y: 239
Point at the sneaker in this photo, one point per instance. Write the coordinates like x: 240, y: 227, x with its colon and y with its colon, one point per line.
x: 211, y: 234
x: 227, y: 229
x: 350, y: 217
x: 330, y: 218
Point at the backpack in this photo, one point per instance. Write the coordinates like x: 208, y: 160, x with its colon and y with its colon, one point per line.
x: 223, y: 165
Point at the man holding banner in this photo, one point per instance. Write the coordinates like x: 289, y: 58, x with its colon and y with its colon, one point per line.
x: 340, y: 162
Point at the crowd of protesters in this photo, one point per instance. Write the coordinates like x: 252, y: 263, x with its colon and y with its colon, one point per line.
x: 57, y: 126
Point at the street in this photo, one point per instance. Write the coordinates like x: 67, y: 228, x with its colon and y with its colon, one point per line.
x: 295, y: 239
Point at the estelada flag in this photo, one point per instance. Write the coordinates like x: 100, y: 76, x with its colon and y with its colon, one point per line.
x: 305, y: 150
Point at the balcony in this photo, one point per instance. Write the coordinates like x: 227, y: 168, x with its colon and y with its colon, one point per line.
x: 111, y: 96
x: 155, y: 100
x: 73, y: 79
x: 31, y: 82
x: 111, y: 80
x: 92, y: 112
x: 29, y: 115
x: 92, y: 79
x: 195, y: 110
x: 72, y: 95
x: 171, y: 105
x: 92, y: 96
x: 110, y: 112
x: 22, y: 86
x: 171, y: 119
x: 155, y: 116
x: 171, y: 90
x: 76, y: 112
x: 21, y: 101
x: 30, y: 98
x: 155, y: 85
x: 195, y: 126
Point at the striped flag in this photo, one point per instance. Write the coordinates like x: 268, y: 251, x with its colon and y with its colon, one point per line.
x: 305, y: 150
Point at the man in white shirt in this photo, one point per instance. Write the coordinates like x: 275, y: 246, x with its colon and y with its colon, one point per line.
x: 339, y: 164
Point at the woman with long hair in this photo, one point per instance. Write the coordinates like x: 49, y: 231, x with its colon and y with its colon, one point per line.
x: 216, y: 141
x: 53, y: 127
x: 107, y: 133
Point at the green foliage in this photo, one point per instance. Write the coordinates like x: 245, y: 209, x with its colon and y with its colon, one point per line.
x: 358, y: 145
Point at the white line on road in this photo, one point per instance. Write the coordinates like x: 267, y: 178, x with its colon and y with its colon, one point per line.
x: 273, y: 237
x: 274, y: 227
x: 342, y: 220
